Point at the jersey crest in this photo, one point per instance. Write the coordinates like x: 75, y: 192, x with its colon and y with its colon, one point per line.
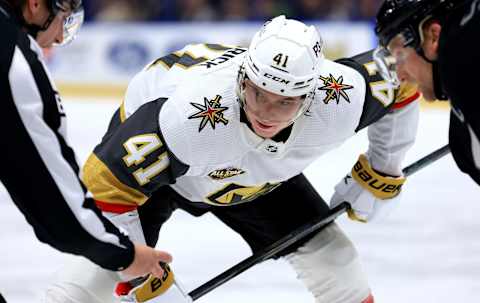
x: 233, y: 193
x: 335, y: 89
x: 211, y: 111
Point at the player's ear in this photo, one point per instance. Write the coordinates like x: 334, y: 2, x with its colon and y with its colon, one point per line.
x: 31, y: 9
x: 33, y: 6
x: 435, y: 30
x: 431, y: 39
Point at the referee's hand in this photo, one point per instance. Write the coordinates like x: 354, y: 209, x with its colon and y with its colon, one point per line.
x: 147, y: 260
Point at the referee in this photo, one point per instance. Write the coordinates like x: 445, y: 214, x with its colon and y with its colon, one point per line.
x: 38, y: 167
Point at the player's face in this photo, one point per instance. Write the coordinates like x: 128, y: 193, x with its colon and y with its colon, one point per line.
x: 54, y: 33
x: 411, y: 67
x: 267, y: 112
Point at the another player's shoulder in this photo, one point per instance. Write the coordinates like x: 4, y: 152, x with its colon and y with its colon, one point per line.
x: 189, y: 68
x: 198, y: 58
x: 174, y: 66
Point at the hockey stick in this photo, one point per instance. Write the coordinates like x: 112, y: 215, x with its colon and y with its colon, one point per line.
x: 300, y: 233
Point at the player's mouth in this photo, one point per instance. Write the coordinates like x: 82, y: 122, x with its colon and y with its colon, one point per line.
x: 264, y: 126
x: 263, y: 129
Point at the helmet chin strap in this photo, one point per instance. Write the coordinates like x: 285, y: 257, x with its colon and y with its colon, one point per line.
x: 32, y: 29
x: 421, y: 53
x: 438, y: 88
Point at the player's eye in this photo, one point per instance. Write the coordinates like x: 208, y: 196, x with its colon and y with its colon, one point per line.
x: 257, y: 93
x: 287, y: 103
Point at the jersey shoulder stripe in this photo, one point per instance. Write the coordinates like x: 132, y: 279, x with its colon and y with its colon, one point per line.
x: 194, y: 54
x: 401, y: 104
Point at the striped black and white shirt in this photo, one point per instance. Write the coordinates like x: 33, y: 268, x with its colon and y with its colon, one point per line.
x: 38, y: 167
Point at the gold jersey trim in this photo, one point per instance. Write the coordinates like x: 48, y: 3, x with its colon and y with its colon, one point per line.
x: 105, y: 187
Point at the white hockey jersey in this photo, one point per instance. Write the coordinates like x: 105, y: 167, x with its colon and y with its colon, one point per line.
x: 181, y: 125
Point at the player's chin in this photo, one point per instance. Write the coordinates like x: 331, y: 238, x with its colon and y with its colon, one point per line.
x: 45, y: 44
x: 267, y: 133
x: 427, y: 92
x: 429, y: 95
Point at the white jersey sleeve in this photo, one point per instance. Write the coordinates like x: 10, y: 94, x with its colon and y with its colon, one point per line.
x: 391, y: 115
x: 391, y: 137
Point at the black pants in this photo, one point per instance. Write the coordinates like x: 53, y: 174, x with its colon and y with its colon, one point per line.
x: 260, y: 222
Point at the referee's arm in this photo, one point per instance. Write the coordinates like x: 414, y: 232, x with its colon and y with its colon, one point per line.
x: 39, y: 169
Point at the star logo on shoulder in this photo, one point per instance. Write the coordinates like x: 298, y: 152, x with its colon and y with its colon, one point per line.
x: 211, y: 111
x: 335, y: 89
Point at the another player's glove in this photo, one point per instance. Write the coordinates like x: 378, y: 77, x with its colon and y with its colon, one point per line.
x: 370, y: 193
x: 145, y: 289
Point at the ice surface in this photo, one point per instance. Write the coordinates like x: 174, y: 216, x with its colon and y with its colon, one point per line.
x: 426, y: 251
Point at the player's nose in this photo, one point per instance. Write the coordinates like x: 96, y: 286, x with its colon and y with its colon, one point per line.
x: 401, y: 72
x: 59, y: 36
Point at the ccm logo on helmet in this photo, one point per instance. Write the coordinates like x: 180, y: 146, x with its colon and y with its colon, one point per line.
x: 275, y: 78
x: 373, y: 182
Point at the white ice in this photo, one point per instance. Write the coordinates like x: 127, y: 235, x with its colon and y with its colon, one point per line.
x: 426, y: 251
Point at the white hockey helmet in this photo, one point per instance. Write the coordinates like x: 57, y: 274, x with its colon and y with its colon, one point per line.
x: 284, y: 58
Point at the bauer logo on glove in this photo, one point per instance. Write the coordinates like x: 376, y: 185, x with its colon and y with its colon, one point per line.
x: 371, y: 195
x: 382, y: 187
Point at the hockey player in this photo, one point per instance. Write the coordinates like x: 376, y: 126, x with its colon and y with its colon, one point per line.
x: 39, y: 169
x: 430, y: 41
x: 228, y: 130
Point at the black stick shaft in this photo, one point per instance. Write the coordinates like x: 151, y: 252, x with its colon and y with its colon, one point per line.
x: 267, y: 252
x: 428, y: 159
x: 299, y: 233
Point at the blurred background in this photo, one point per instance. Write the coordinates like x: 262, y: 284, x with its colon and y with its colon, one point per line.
x: 227, y: 10
x: 119, y: 37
